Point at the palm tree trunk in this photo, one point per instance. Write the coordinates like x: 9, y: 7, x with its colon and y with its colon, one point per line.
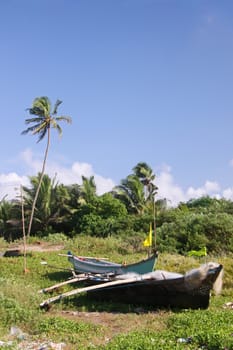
x: 39, y: 184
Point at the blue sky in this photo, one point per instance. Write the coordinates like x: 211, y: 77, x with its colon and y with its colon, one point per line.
x: 143, y: 80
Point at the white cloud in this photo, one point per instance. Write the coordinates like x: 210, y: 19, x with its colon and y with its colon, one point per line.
x: 168, y: 188
x: 175, y: 194
x: 29, y: 159
x: 70, y: 175
x: 104, y: 184
x: 82, y: 168
x: 228, y: 193
x: 209, y: 188
x: 10, y: 185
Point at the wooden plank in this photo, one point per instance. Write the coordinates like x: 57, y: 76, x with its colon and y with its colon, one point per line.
x: 86, y: 289
x: 79, y: 278
x: 12, y: 252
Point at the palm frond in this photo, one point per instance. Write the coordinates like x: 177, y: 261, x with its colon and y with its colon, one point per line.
x: 33, y: 129
x: 58, y: 102
x: 41, y: 106
x: 56, y: 126
x: 40, y: 127
x: 64, y: 118
x: 34, y: 120
x: 53, y: 123
x: 42, y: 134
x: 42, y: 102
x: 36, y: 111
x: 59, y: 129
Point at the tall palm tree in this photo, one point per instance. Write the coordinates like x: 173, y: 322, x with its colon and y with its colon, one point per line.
x: 145, y: 174
x: 43, y: 121
x: 87, y: 190
x: 131, y: 193
x: 52, y: 202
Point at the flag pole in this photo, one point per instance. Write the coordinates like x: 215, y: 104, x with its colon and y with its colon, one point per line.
x: 148, y: 241
x: 24, y: 234
x: 154, y: 225
x: 149, y: 250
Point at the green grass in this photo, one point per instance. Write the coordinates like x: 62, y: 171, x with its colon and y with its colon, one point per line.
x: 84, y: 324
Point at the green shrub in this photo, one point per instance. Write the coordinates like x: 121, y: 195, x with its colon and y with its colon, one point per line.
x: 141, y: 341
x: 209, y: 329
x: 56, y: 238
x: 66, y: 330
x: 12, y: 312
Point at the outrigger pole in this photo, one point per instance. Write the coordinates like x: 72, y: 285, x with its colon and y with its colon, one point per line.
x: 59, y: 297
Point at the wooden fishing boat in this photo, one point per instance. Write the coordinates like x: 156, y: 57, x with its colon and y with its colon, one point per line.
x: 160, y: 289
x: 101, y: 266
x: 157, y: 289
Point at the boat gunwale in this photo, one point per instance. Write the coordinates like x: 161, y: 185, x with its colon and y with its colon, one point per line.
x: 104, y: 263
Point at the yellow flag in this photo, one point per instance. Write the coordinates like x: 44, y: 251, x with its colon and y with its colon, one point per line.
x: 148, y: 240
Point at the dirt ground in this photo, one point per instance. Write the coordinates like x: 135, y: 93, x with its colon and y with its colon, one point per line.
x: 118, y: 323
x: 37, y: 247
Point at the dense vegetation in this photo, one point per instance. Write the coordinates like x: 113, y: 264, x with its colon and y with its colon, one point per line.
x: 127, y: 211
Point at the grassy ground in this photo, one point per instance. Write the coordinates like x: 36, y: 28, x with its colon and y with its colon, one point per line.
x: 80, y: 323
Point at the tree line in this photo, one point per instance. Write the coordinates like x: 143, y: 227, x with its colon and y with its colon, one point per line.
x: 76, y: 209
x: 126, y: 211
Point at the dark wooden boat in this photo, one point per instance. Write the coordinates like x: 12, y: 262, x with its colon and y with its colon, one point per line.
x: 191, y: 290
x: 158, y: 289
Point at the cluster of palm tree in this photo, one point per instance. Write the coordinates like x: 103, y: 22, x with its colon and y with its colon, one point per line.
x: 77, y: 208
x: 48, y: 205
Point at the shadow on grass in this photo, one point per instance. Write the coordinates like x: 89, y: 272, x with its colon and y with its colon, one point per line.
x: 58, y: 276
x: 84, y: 303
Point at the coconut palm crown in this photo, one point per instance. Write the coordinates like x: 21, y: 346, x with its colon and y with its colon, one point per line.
x: 42, y: 122
x: 45, y: 119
